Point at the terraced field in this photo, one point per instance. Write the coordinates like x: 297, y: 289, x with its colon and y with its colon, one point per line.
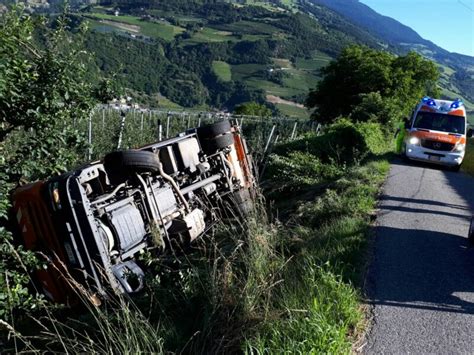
x: 135, y: 25
x: 223, y: 70
x: 209, y: 35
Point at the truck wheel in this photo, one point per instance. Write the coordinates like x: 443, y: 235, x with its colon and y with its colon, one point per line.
x: 244, y: 203
x: 119, y: 165
x: 210, y: 146
x: 213, y: 130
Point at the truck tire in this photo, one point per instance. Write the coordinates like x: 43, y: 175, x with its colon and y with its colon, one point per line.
x: 213, y: 130
x: 210, y: 146
x: 243, y: 203
x: 121, y: 164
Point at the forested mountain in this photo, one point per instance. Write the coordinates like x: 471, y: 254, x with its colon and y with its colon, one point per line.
x: 219, y: 53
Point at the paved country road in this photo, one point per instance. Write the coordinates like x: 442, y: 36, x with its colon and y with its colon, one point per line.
x: 421, y: 281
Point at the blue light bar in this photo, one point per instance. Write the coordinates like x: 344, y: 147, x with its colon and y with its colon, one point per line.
x: 431, y: 102
x: 456, y: 104
x: 426, y: 99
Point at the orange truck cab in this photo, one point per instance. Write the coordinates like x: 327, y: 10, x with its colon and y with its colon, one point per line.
x: 437, y: 133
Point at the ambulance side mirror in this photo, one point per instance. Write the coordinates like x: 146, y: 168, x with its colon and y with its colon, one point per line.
x: 407, y: 124
x: 469, y: 133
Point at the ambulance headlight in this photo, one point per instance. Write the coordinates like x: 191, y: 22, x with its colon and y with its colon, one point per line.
x: 414, y: 141
x: 460, y: 148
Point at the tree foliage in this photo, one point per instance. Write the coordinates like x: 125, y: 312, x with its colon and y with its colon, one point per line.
x: 43, y: 91
x: 253, y: 109
x: 365, y: 76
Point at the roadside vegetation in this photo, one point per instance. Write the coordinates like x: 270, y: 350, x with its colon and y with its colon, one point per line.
x: 286, y: 280
x: 468, y: 163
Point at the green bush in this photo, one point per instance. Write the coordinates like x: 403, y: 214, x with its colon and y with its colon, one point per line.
x: 376, y: 137
x: 341, y: 143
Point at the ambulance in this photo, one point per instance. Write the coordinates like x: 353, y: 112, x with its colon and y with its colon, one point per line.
x: 437, y: 133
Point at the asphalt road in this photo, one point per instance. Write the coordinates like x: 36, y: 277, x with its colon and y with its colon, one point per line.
x: 421, y: 280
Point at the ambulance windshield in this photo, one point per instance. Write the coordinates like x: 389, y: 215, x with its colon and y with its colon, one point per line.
x: 440, y: 122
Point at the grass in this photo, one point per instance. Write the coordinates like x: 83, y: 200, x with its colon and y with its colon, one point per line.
x: 223, y: 70
x: 150, y: 29
x: 251, y: 27
x: 164, y: 102
x: 295, y: 82
x: 273, y: 88
x: 245, y: 71
x: 300, y: 80
x: 313, y: 64
x: 282, y: 63
x: 468, y: 163
x: 318, y: 302
x: 293, y: 111
x: 209, y: 34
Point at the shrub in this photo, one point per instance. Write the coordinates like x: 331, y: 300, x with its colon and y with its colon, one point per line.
x: 342, y: 143
x: 376, y: 138
x: 42, y: 88
x: 375, y: 108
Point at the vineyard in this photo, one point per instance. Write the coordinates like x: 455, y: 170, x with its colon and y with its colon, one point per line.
x: 110, y: 129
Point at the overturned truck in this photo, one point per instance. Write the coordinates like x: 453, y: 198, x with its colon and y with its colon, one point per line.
x: 92, y: 223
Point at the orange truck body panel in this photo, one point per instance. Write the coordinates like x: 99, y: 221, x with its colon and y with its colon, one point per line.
x: 39, y: 235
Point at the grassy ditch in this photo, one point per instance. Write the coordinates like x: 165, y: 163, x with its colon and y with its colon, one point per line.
x: 317, y: 308
x: 468, y: 164
x: 282, y: 282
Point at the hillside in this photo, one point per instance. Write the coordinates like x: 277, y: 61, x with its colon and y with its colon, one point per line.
x: 457, y: 69
x: 217, y: 54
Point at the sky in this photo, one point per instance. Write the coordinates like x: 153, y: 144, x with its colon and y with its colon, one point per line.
x: 447, y: 23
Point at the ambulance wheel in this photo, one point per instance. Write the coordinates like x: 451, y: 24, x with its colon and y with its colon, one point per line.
x: 456, y: 168
x: 404, y: 153
x: 470, y: 236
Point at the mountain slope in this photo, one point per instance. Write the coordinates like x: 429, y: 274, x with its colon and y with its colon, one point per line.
x: 387, y: 28
x: 457, y: 69
x: 219, y: 53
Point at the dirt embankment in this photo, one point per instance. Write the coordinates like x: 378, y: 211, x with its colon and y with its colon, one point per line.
x: 278, y: 100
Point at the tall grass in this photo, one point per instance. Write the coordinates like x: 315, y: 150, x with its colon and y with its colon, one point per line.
x: 468, y: 164
x: 316, y: 307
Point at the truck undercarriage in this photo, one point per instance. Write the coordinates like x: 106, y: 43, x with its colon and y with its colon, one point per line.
x: 94, y: 222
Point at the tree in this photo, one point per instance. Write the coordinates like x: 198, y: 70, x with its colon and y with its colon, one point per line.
x: 253, y: 109
x: 42, y: 92
x: 375, y: 108
x: 360, y: 71
x: 413, y: 78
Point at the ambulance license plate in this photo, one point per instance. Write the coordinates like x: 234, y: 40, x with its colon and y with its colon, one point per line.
x: 434, y: 158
